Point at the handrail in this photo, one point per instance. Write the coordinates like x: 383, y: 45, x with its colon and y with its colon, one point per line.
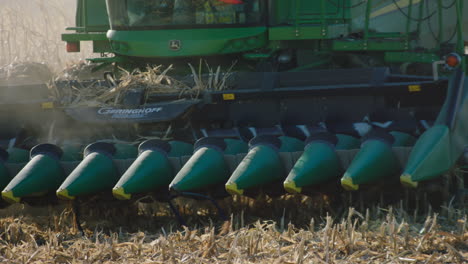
x: 85, y: 15
x: 460, y: 41
x: 441, y: 23
x: 367, y: 21
x: 408, y: 21
x: 421, y: 12
x: 322, y: 16
x: 296, y: 22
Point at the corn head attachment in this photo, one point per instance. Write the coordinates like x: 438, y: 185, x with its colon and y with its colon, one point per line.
x: 370, y: 131
x: 361, y: 99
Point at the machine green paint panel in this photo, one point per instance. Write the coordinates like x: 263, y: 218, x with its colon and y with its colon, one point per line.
x: 191, y: 42
x: 149, y: 172
x: 350, y: 25
x: 335, y: 38
x: 152, y: 170
x: 94, y: 174
x: 439, y: 148
x: 91, y: 16
x: 305, y: 12
x: 319, y: 163
x: 262, y: 165
x: 207, y: 166
x: 40, y: 175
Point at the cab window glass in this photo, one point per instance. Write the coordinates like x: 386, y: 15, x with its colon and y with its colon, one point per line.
x: 147, y: 13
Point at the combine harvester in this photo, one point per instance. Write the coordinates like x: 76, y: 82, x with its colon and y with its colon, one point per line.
x: 326, y: 96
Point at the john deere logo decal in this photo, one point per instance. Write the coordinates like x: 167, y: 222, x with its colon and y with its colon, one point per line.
x: 175, y: 44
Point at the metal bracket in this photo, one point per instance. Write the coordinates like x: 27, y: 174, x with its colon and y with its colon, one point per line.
x: 435, y: 70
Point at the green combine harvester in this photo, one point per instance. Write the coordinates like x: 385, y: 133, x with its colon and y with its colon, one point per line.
x: 310, y: 97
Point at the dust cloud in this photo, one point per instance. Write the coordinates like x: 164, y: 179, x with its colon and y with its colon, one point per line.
x: 30, y: 31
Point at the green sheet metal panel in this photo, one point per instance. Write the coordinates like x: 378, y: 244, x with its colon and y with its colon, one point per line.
x: 440, y: 147
x: 285, y: 12
x: 356, y: 45
x: 84, y: 37
x: 191, y: 42
x: 307, y: 32
x: 91, y: 16
x: 301, y: 19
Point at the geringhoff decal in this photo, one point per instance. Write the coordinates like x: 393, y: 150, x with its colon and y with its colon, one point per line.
x: 129, y: 113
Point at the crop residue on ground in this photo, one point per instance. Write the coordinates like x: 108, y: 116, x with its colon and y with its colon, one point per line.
x: 355, y: 238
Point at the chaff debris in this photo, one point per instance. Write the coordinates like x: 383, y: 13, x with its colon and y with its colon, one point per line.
x: 25, y: 241
x: 152, y: 81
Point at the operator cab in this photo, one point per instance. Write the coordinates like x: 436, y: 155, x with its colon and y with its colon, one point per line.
x: 172, y: 14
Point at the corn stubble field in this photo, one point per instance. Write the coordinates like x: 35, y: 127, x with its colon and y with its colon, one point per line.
x: 376, y: 236
x: 30, y: 32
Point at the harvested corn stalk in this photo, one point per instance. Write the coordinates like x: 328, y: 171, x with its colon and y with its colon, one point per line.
x: 154, y: 80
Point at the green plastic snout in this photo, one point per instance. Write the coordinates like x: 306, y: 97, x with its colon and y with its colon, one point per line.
x: 151, y: 170
x: 429, y: 158
x: 374, y: 161
x: 97, y: 171
x: 263, y: 164
x: 206, y: 167
x: 42, y: 174
x: 319, y: 163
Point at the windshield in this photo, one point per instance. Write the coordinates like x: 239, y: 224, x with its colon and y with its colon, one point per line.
x: 177, y: 13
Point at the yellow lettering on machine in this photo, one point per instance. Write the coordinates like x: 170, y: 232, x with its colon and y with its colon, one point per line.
x: 229, y: 97
x: 414, y: 88
x: 47, y: 105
